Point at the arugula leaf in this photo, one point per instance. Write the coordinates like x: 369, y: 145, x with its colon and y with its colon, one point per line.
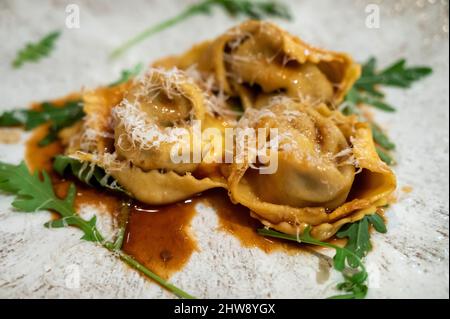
x: 357, y: 247
x: 375, y: 102
x: 255, y: 9
x: 34, y: 194
x: 59, y: 117
x: 385, y: 156
x: 365, y: 90
x: 350, y: 104
x: 356, y: 97
x: 358, y: 239
x: 381, y: 138
x: 33, y: 52
x: 354, y: 284
x: 359, y: 236
x: 128, y: 74
x: 87, y: 173
x: 350, y: 107
x: 377, y: 222
x: 12, y: 118
x: 396, y: 75
x: 33, y: 118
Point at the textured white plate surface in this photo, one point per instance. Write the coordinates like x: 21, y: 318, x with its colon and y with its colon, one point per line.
x: 411, y: 261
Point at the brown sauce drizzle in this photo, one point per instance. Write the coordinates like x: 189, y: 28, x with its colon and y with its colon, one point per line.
x: 159, y: 237
x: 236, y: 220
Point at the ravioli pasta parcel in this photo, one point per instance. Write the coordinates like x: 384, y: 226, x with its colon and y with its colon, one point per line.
x: 328, y: 174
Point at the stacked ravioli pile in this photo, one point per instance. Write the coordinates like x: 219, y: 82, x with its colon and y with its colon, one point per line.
x: 328, y: 172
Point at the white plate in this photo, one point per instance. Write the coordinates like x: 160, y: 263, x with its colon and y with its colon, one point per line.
x: 410, y: 261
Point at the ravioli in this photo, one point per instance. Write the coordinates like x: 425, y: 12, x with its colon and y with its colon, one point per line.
x: 257, y: 60
x: 328, y: 172
x: 130, y: 131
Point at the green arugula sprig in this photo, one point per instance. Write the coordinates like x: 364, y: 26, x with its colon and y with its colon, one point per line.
x: 87, y: 173
x: 385, y: 156
x: 33, y: 52
x: 359, y: 236
x: 255, y: 9
x: 382, y: 144
x: 59, y: 117
x: 128, y: 74
x: 366, y: 91
x: 354, y: 284
x: 381, y: 138
x: 355, y: 97
x: 33, y: 118
x: 35, y: 194
x: 396, y: 75
x: 358, y: 245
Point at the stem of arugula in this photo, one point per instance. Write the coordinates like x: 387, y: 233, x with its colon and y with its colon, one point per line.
x: 116, y: 248
x: 141, y: 268
x: 155, y: 29
x: 311, y: 241
x: 61, y: 208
